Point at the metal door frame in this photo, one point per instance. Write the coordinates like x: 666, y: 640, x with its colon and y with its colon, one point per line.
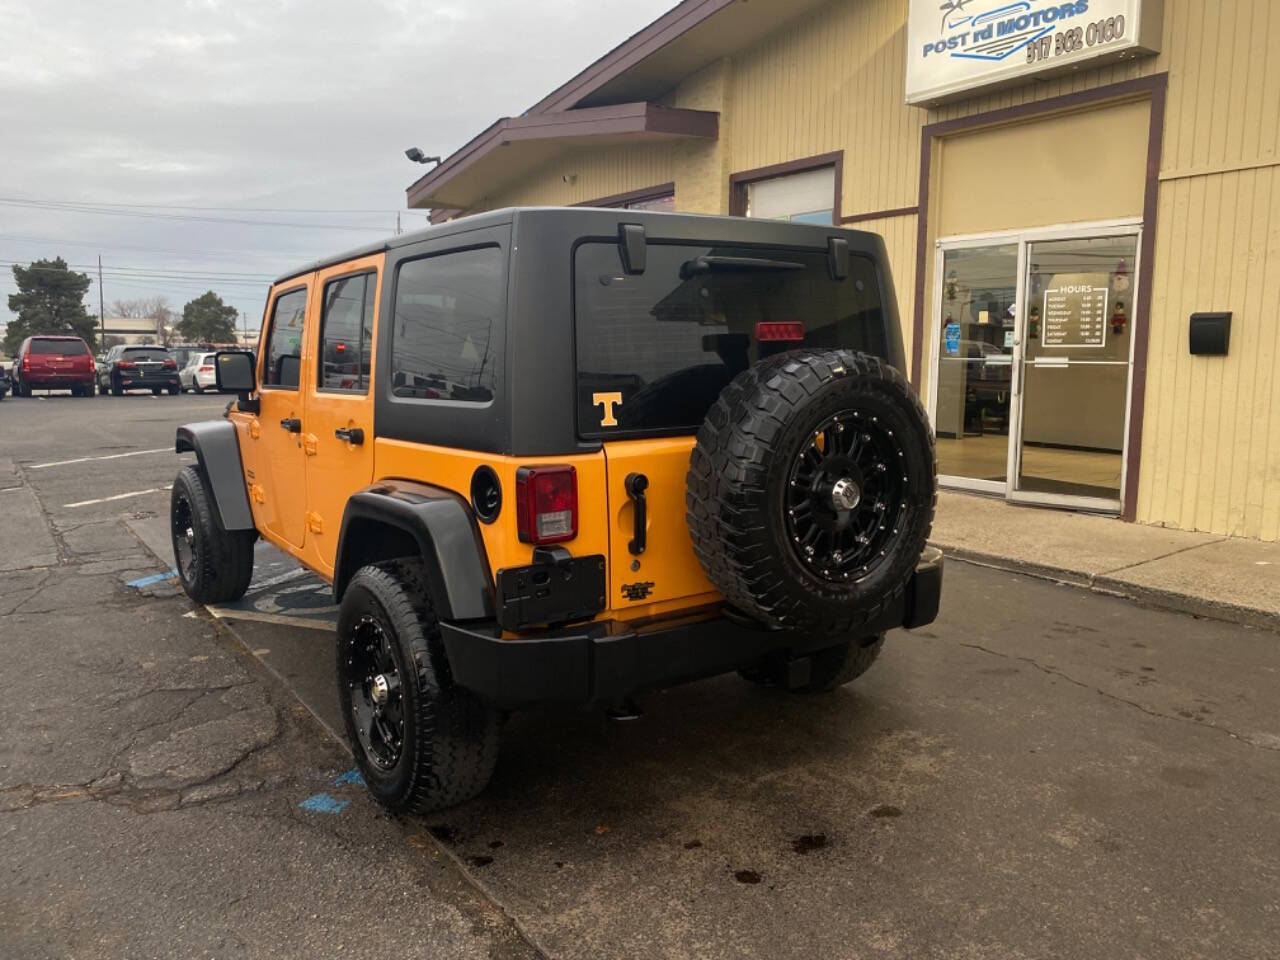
x: 1024, y: 238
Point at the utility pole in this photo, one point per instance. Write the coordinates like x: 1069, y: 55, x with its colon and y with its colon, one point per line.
x: 244, y: 328
x: 397, y: 223
x: 102, y: 313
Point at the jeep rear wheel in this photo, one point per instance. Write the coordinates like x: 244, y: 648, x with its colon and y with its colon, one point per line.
x: 214, y: 564
x: 811, y: 490
x: 421, y: 742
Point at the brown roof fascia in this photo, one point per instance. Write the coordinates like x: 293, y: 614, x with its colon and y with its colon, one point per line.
x: 670, y: 26
x: 622, y: 119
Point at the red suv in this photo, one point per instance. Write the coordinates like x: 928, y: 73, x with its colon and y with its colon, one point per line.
x: 54, y: 363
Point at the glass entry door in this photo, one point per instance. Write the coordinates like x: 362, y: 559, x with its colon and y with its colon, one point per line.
x: 1033, y: 335
x: 973, y: 411
x: 1074, y: 371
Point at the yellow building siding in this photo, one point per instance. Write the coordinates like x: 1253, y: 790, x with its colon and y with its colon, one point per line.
x: 833, y: 81
x: 594, y: 173
x: 899, y: 235
x: 1211, y: 444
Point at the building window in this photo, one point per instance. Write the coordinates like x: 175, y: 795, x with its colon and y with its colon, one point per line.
x: 660, y: 198
x: 446, y: 308
x: 346, y: 333
x: 805, y: 197
x: 663, y: 204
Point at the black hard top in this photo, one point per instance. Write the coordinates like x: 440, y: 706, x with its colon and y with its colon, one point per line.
x: 675, y: 224
x: 402, y: 240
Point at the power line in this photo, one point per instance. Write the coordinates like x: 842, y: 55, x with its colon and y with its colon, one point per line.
x: 85, y: 208
x: 182, y: 206
x: 203, y: 253
x: 232, y: 274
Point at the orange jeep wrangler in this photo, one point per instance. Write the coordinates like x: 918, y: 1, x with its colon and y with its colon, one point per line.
x: 568, y: 455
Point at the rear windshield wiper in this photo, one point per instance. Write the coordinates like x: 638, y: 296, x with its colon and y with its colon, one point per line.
x: 700, y: 265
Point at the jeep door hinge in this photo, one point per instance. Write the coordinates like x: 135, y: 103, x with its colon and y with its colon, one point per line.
x: 314, y: 523
x: 309, y: 444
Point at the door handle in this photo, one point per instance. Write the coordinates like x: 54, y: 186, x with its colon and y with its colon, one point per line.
x: 636, y: 484
x: 352, y: 435
x: 292, y: 424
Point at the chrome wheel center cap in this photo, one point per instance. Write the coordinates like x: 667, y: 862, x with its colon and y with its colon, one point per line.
x: 845, y: 494
x: 380, y: 691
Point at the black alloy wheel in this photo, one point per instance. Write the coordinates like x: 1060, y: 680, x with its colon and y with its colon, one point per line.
x: 367, y: 666
x: 214, y: 564
x: 845, y: 498
x: 182, y: 527
x: 422, y: 742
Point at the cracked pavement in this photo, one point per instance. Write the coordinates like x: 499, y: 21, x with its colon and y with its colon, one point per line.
x: 1043, y: 772
x: 150, y: 769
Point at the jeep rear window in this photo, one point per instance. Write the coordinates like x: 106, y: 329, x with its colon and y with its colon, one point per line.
x: 655, y: 349
x: 66, y: 348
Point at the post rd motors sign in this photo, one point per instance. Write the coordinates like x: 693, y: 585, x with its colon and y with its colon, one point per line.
x: 965, y: 45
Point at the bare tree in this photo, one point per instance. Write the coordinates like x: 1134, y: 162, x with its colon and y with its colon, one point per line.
x: 149, y: 308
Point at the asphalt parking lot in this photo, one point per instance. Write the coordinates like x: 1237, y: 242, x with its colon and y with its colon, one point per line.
x: 1042, y: 772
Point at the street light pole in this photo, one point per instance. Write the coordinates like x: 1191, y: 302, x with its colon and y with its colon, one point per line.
x: 102, y: 313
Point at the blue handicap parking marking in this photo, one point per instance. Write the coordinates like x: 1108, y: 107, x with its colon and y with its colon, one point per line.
x: 324, y: 803
x: 351, y: 777
x: 154, y: 578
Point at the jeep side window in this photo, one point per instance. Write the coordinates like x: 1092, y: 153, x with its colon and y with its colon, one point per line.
x: 284, y: 345
x: 346, y: 333
x: 446, y: 308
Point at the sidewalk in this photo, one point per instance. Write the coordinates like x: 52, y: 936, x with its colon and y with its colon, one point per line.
x: 1197, y: 573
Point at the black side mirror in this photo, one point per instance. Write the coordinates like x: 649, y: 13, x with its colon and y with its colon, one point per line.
x: 234, y: 373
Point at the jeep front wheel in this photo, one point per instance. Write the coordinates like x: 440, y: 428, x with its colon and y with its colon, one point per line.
x: 214, y: 564
x: 811, y: 490
x: 421, y: 742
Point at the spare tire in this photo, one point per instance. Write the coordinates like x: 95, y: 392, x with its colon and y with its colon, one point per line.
x: 811, y: 490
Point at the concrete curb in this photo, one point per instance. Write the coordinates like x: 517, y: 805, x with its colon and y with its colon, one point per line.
x: 1104, y: 583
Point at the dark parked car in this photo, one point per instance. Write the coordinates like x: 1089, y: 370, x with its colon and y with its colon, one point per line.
x: 5, y: 383
x: 53, y: 363
x: 138, y: 367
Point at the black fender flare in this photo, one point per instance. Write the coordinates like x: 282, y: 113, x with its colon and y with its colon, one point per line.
x: 218, y: 452
x: 443, y: 527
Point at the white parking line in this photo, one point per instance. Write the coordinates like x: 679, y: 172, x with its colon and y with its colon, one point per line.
x: 118, y: 496
x: 105, y: 456
x: 228, y: 613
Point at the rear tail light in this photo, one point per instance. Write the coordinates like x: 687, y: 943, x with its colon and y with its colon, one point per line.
x: 206, y: 369
x: 781, y: 330
x: 171, y: 364
x: 125, y: 364
x: 26, y: 361
x: 547, y: 504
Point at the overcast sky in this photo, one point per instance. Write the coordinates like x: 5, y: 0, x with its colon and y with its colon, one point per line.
x: 285, y: 106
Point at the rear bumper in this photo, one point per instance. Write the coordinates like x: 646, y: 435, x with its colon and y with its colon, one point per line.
x: 141, y: 383
x: 46, y: 381
x: 608, y: 660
